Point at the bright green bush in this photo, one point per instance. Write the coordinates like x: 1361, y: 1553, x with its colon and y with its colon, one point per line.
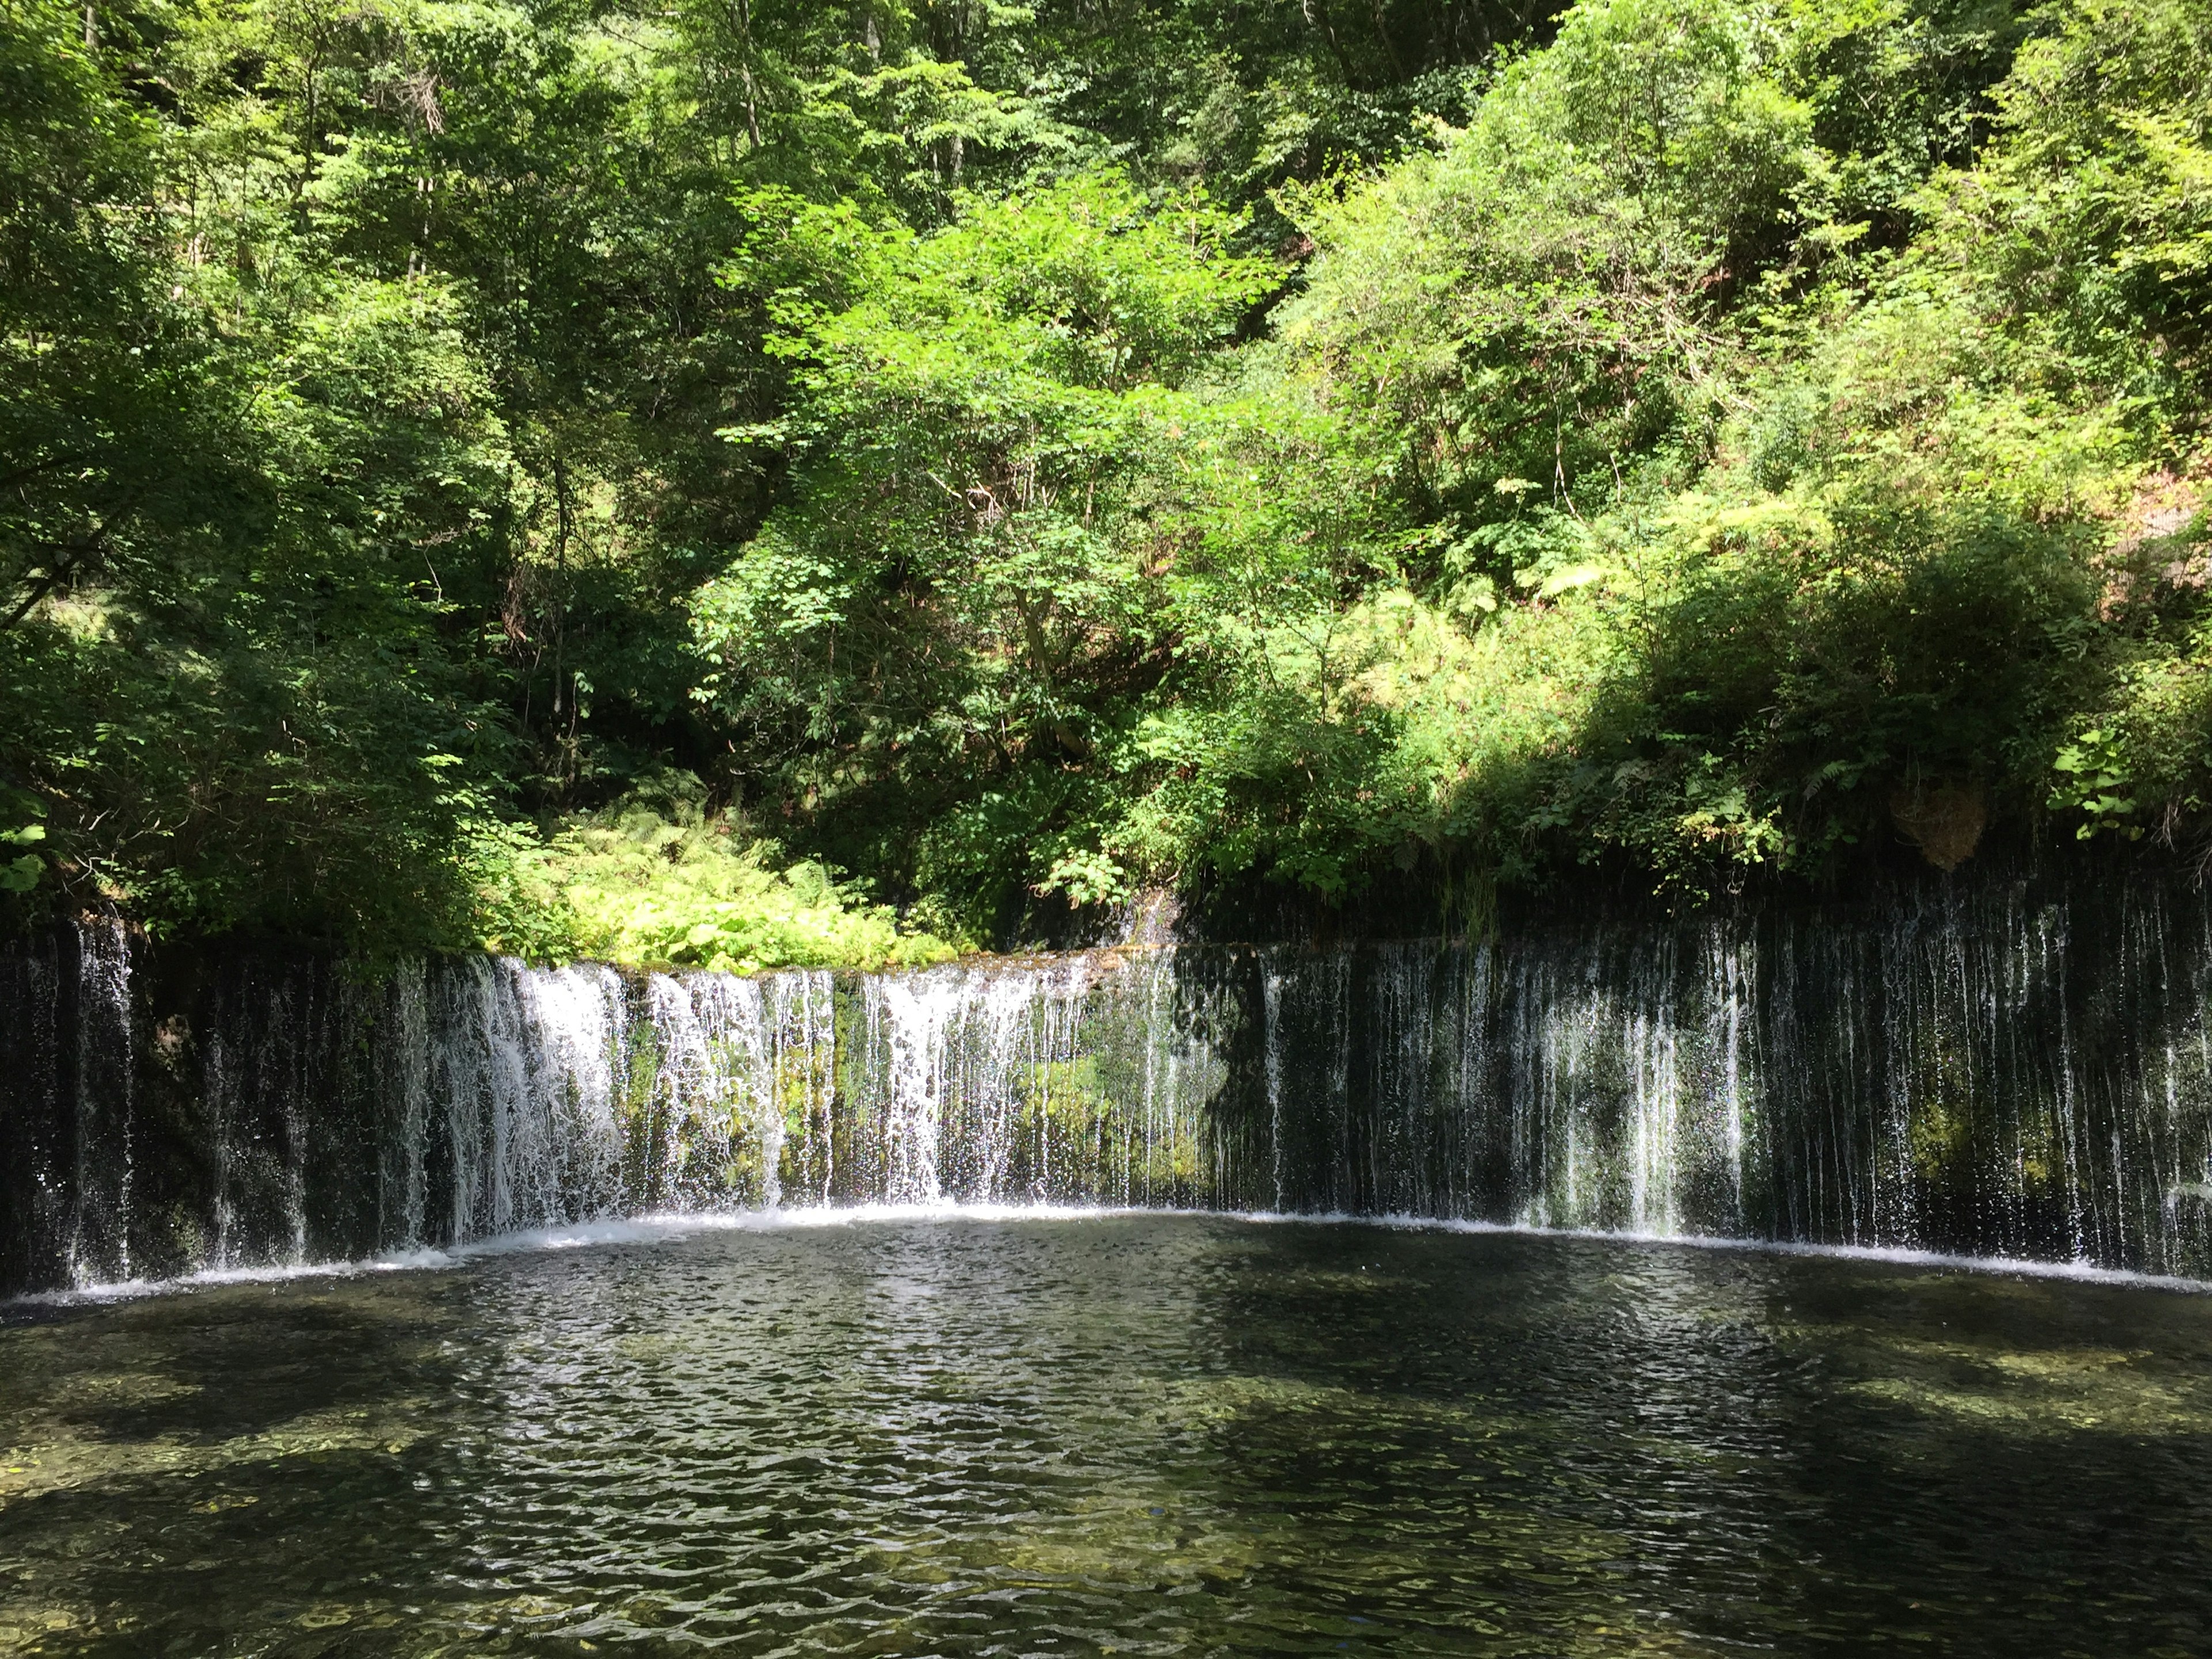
x: 663, y: 885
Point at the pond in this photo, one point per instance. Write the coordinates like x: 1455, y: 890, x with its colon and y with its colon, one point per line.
x: 1159, y: 1433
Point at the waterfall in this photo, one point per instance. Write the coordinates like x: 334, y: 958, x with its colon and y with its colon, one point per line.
x: 527, y: 1067
x: 1035, y: 1080
x: 740, y: 1089
x: 2020, y: 1066
x: 97, y: 1244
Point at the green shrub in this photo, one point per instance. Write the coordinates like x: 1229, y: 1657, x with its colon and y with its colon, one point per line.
x: 667, y: 885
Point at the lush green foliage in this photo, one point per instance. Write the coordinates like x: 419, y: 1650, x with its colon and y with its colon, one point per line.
x: 658, y: 882
x: 1008, y: 456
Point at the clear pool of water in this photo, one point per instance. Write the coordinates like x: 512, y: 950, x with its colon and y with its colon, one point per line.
x: 1140, y: 1434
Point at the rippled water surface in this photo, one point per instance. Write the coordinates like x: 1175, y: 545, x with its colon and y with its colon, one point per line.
x: 1142, y: 1434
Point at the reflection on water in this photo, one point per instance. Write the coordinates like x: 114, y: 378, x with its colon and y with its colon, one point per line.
x: 1143, y: 1434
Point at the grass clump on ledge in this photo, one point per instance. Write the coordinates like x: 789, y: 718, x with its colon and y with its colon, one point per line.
x: 644, y: 886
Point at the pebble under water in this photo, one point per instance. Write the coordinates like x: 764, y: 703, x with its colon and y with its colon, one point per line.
x: 1130, y: 1433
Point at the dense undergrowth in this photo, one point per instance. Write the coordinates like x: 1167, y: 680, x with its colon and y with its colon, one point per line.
x: 993, y: 457
x: 658, y: 882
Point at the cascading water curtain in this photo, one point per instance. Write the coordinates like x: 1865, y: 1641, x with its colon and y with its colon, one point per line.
x: 2012, y: 1066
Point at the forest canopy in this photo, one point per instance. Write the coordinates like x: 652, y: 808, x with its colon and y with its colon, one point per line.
x: 765, y: 481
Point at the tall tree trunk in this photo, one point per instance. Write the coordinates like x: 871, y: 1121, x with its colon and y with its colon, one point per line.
x: 1383, y: 33
x: 1317, y: 15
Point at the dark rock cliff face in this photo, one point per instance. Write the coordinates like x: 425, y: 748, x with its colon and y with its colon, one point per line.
x: 2008, y: 1060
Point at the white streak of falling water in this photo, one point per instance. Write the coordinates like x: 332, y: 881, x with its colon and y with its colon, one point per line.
x: 98, y: 1246
x: 1652, y: 1097
x: 1399, y: 1006
x: 1271, y: 1037
x: 1159, y: 1079
x: 690, y: 1134
x: 216, y: 1075
x: 298, y: 1093
x: 914, y: 1013
x: 739, y: 1081
x: 1734, y: 986
x: 1568, y: 1029
x: 508, y: 1193
x: 802, y: 1071
x: 1181, y: 1071
x: 461, y: 1070
x: 578, y: 1014
x: 999, y: 1052
x: 1055, y: 1029
x: 402, y: 1065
